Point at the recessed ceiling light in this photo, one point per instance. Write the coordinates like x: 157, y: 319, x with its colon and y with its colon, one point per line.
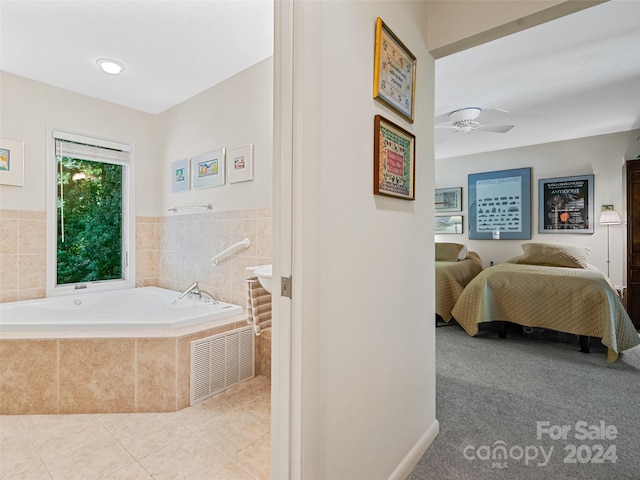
x: 110, y: 66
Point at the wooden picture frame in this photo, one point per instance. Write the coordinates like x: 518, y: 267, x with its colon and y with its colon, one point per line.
x: 393, y: 160
x: 448, y: 199
x: 565, y: 204
x: 500, y: 205
x: 394, y: 73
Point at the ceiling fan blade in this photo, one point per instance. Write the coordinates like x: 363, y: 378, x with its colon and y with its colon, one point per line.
x: 449, y: 127
x: 441, y: 134
x: 495, y: 128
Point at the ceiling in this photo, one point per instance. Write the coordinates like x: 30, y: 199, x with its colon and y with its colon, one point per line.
x: 574, y: 77
x: 172, y: 50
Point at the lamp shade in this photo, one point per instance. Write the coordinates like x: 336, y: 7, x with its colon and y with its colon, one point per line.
x: 610, y: 217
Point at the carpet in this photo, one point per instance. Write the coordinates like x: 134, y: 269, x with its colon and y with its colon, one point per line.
x: 531, y: 406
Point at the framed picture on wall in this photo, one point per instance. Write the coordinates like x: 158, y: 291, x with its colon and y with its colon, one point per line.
x: 448, y: 224
x: 565, y: 204
x: 180, y: 179
x: 394, y: 73
x: 240, y: 164
x: 448, y: 199
x: 500, y: 205
x: 11, y: 162
x: 393, y: 160
x: 208, y: 169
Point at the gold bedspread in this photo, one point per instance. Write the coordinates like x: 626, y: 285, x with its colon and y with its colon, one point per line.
x: 451, y: 278
x: 571, y: 300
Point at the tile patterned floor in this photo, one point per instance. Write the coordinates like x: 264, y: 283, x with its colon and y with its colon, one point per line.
x: 226, y: 437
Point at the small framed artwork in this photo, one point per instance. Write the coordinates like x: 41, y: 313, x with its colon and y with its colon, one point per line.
x: 180, y: 176
x: 208, y: 169
x: 449, y: 199
x: 11, y: 162
x: 565, y: 204
x: 393, y: 160
x: 240, y: 164
x: 448, y: 224
x: 394, y: 74
x: 500, y: 205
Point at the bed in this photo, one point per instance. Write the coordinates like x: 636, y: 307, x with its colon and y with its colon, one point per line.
x: 455, y: 267
x: 553, y: 287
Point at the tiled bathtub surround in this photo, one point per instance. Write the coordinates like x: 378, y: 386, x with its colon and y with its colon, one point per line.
x: 171, y: 252
x: 102, y: 372
x: 174, y: 251
x: 22, y: 255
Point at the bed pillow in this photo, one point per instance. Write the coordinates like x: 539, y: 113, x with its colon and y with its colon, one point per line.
x: 447, y: 252
x: 553, y: 255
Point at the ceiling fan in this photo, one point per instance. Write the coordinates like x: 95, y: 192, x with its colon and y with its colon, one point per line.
x: 464, y: 120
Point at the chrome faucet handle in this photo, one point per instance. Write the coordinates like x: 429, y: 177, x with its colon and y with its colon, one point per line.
x: 194, y: 286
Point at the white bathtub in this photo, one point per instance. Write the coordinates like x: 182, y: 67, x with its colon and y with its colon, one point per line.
x: 148, y: 308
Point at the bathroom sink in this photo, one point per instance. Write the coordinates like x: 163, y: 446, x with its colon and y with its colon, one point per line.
x: 263, y: 272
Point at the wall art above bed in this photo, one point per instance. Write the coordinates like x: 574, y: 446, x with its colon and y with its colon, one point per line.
x: 500, y: 205
x: 449, y: 199
x: 565, y: 204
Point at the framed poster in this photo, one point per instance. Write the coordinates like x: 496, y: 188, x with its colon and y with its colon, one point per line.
x: 240, y: 164
x: 394, y: 73
x: 208, y: 169
x: 565, y: 204
x: 180, y: 176
x: 448, y: 224
x: 500, y: 205
x: 11, y: 162
x: 449, y: 199
x: 393, y: 160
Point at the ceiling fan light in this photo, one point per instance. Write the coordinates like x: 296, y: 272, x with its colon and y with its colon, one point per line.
x: 111, y: 66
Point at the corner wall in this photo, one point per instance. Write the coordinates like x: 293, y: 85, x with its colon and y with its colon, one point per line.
x: 362, y: 264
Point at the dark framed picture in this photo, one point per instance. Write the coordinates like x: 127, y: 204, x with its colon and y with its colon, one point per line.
x: 394, y: 73
x: 393, y: 160
x: 448, y: 224
x: 448, y: 199
x: 500, y: 205
x: 565, y: 204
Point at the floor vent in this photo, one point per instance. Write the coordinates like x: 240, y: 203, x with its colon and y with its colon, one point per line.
x: 220, y: 362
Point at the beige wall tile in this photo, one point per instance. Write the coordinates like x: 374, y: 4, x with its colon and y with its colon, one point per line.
x: 9, y: 228
x: 32, y: 236
x: 32, y: 272
x: 8, y: 272
x: 6, y: 213
x: 33, y: 214
x: 145, y: 236
x: 28, y: 376
x: 145, y: 263
x: 156, y: 375
x: 97, y: 375
x: 31, y: 294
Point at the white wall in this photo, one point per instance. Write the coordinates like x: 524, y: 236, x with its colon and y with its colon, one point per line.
x: 231, y: 114
x: 28, y: 107
x: 363, y: 264
x: 603, y: 156
x: 236, y: 112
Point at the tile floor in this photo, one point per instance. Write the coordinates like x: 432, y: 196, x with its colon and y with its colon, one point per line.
x: 224, y: 437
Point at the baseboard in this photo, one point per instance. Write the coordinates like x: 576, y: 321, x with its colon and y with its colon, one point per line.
x: 404, y: 469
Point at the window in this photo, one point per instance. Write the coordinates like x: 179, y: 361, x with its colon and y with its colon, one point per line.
x: 89, y: 227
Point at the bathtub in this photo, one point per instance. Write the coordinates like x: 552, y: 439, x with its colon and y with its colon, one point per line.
x: 145, y: 308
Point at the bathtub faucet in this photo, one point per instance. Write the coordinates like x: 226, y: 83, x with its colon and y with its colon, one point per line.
x: 195, y: 291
